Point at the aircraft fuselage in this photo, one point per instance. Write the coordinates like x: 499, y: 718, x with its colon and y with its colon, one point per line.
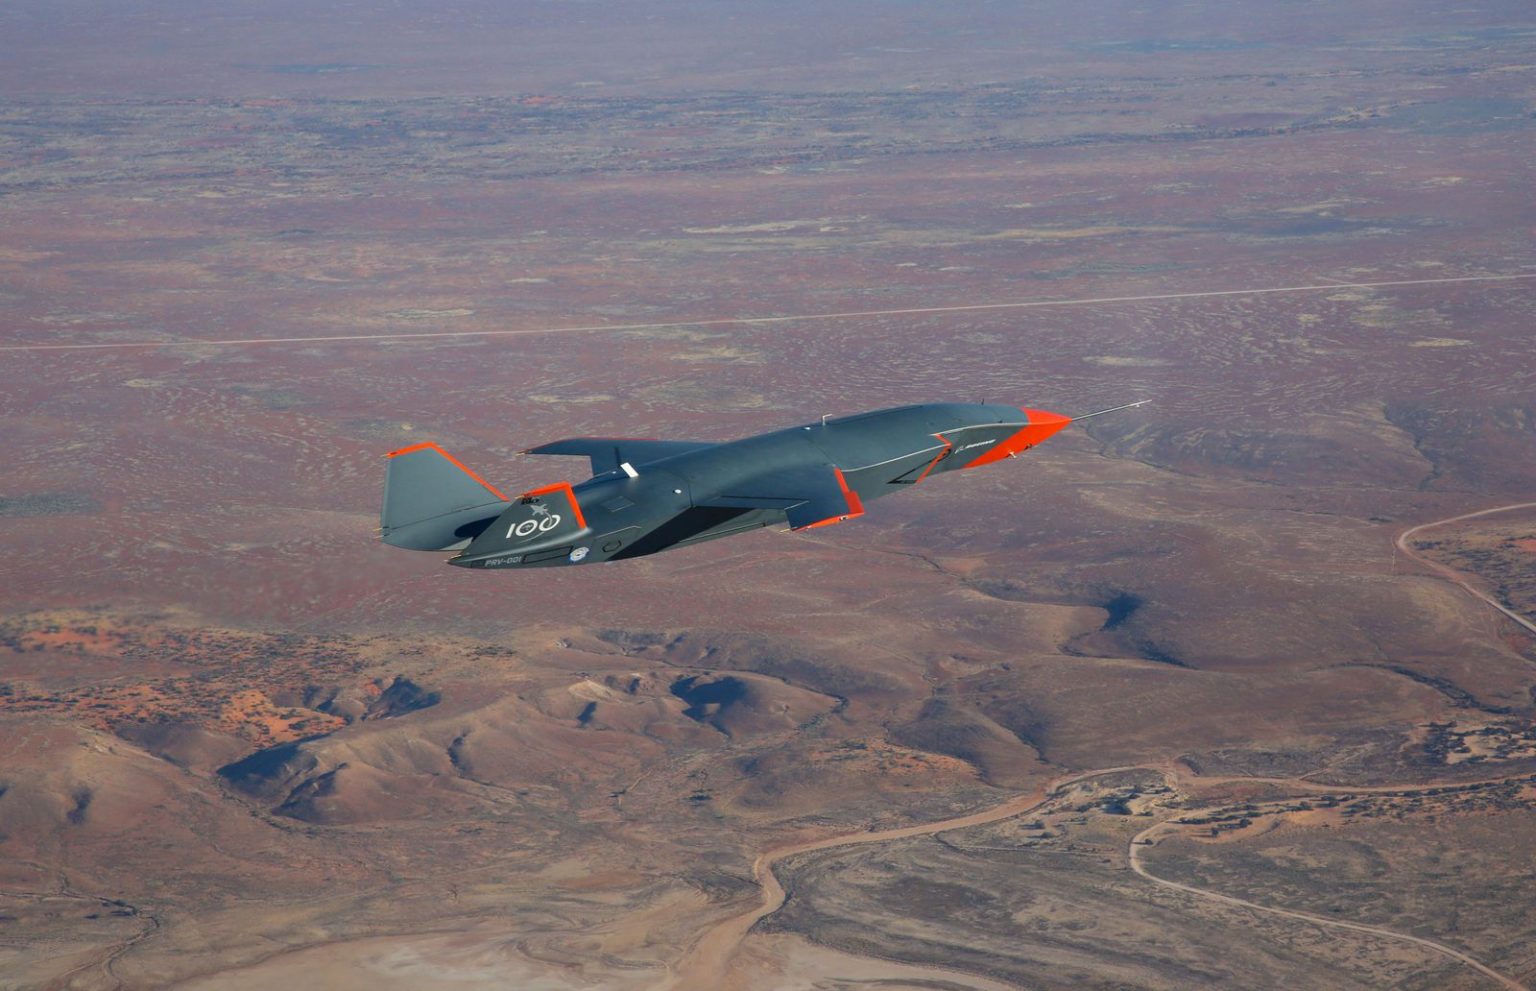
x: 808, y: 475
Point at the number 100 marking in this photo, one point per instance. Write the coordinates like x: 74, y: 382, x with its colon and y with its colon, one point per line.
x: 528, y: 528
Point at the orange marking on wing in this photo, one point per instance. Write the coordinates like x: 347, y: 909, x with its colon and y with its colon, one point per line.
x: 855, y: 505
x: 456, y: 463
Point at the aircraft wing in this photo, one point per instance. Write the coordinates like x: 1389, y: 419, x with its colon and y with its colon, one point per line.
x: 608, y: 453
x: 812, y: 496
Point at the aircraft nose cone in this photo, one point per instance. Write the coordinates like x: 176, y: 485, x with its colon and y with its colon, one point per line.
x: 1038, y: 425
x: 1043, y: 424
x: 1041, y: 417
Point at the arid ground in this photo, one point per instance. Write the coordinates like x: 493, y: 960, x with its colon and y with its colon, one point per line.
x: 1165, y: 703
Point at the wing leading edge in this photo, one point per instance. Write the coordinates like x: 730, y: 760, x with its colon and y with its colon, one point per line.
x: 608, y: 453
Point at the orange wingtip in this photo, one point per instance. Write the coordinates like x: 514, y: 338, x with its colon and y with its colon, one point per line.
x: 570, y: 493
x: 855, y: 505
x: 430, y: 446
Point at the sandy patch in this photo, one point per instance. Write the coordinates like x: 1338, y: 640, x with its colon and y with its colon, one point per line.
x: 1126, y: 361
x: 421, y: 963
x: 782, y: 962
x: 768, y: 227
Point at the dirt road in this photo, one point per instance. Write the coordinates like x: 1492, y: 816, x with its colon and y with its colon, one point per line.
x: 705, y: 966
x: 1142, y: 839
x: 1451, y: 574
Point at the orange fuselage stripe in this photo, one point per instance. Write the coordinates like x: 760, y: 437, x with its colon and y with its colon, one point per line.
x: 936, y: 458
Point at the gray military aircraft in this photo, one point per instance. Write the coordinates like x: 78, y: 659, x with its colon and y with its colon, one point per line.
x: 646, y: 496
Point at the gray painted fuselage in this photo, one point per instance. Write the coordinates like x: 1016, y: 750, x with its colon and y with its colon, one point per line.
x: 713, y: 491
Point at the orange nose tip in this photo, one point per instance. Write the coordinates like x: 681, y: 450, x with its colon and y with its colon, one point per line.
x: 1043, y: 417
x: 1043, y: 424
x: 1038, y: 426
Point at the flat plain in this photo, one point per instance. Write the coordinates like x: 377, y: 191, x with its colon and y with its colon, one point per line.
x: 1159, y: 705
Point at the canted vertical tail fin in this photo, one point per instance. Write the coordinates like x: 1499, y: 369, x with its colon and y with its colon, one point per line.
x: 432, y: 502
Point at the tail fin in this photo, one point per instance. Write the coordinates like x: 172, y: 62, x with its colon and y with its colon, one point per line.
x: 432, y: 502
x: 541, y: 525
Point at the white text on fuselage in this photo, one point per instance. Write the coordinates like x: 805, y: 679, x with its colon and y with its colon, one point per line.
x: 528, y: 528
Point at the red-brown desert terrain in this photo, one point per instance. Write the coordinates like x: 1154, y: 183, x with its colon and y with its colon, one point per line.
x: 1227, y: 691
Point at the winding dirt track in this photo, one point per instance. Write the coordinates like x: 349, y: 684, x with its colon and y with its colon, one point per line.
x: 703, y: 967
x: 1137, y: 845
x: 108, y: 955
x: 1451, y: 574
x: 706, y: 964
